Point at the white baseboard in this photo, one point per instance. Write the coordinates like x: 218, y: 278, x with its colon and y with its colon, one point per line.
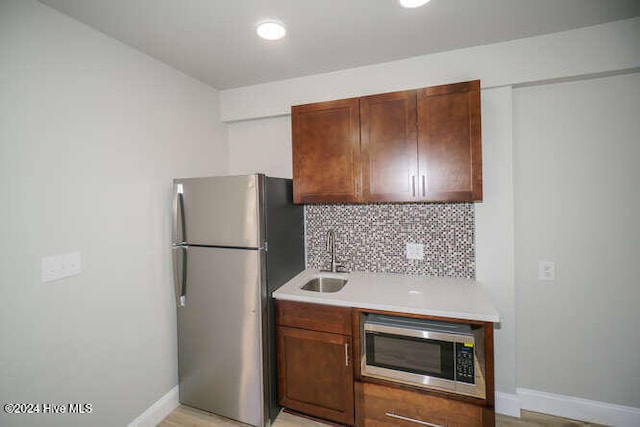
x: 507, y: 404
x: 158, y: 411
x: 579, y: 409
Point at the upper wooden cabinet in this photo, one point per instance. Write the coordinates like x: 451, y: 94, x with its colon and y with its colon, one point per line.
x: 389, y: 147
x: 409, y: 146
x: 326, y: 151
x: 449, y: 142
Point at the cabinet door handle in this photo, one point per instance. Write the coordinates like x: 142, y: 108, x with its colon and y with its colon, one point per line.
x: 424, y: 186
x: 411, y: 420
x: 346, y: 354
x: 413, y: 185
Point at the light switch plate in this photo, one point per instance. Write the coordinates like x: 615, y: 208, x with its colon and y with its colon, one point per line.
x: 51, y: 268
x: 71, y: 263
x: 57, y: 267
x: 415, y: 251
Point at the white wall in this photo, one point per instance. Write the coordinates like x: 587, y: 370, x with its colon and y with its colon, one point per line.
x: 598, y: 49
x: 262, y: 145
x: 494, y: 234
x: 577, y: 54
x: 91, y: 134
x: 577, y: 202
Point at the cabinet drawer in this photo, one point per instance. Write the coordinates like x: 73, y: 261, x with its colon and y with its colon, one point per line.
x: 315, y: 317
x: 387, y: 406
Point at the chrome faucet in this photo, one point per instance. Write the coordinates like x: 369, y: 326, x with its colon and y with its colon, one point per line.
x: 334, y: 265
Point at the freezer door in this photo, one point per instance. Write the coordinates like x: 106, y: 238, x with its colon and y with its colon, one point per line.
x: 220, y: 358
x: 219, y: 211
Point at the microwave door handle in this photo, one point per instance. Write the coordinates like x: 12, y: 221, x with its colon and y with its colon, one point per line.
x: 411, y: 420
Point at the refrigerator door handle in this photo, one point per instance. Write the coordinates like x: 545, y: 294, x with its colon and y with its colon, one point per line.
x: 180, y: 274
x: 179, y: 227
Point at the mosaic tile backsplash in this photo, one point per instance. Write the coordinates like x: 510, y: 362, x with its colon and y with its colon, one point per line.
x: 373, y: 237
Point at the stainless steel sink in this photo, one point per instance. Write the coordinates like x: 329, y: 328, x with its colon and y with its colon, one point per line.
x: 324, y: 284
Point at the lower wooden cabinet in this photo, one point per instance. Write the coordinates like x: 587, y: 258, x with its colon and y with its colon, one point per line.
x: 315, y: 376
x: 381, y: 406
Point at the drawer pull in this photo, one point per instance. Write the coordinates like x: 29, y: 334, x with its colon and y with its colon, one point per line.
x: 411, y: 420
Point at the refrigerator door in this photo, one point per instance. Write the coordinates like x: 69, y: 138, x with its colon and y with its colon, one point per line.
x: 220, y: 357
x: 219, y: 211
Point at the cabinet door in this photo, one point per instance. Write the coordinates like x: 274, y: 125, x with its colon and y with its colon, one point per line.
x: 314, y: 373
x: 389, y: 141
x: 326, y: 151
x: 449, y: 142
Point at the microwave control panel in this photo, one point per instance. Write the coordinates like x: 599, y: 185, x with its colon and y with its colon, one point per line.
x: 465, y: 371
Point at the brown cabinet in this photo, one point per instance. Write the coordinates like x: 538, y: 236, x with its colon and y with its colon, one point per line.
x: 422, y: 145
x: 449, y: 142
x: 315, y: 374
x: 326, y: 151
x: 389, y: 147
x: 319, y: 350
x: 383, y: 406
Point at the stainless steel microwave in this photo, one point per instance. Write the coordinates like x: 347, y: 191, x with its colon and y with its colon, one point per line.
x: 425, y: 353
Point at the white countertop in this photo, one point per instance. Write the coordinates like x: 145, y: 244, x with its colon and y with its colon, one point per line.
x: 435, y: 296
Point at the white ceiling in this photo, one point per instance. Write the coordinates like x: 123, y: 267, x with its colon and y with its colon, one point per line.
x: 215, y: 41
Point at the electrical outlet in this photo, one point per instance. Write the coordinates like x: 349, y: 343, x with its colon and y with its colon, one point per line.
x: 415, y: 251
x: 546, y: 271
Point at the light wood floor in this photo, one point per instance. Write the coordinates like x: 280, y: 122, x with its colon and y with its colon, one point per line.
x: 185, y: 416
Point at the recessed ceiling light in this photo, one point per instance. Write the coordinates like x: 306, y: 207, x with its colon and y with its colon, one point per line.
x: 410, y: 4
x: 271, y: 30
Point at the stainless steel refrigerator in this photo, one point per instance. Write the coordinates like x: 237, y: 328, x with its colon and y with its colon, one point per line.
x: 235, y: 240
